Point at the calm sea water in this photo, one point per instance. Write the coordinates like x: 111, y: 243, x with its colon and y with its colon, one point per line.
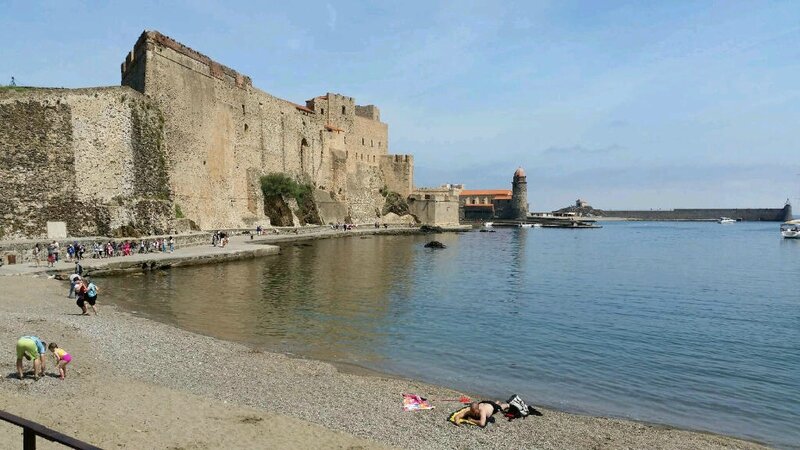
x: 695, y: 325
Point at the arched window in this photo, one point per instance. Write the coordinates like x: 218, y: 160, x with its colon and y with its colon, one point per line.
x: 344, y: 110
x: 322, y: 110
x: 362, y: 141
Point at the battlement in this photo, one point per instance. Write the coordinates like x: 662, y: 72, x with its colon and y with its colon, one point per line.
x: 368, y: 112
x: 400, y: 158
x: 149, y: 40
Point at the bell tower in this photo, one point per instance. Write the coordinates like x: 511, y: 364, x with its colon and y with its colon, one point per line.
x: 519, y: 196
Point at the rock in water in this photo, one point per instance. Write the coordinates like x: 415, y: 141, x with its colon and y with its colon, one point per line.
x: 431, y: 229
x: 435, y: 244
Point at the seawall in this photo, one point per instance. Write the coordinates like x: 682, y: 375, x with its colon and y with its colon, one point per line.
x: 745, y: 214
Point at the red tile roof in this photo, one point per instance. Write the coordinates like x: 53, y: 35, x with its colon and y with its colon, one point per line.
x: 502, y: 197
x: 468, y: 193
x: 303, y: 108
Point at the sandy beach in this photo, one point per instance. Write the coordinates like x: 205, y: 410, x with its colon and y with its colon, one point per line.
x: 136, y: 383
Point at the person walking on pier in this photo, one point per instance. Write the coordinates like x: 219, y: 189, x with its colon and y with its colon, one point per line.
x: 36, y: 252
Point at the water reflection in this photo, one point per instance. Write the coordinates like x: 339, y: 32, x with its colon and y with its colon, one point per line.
x: 330, y: 300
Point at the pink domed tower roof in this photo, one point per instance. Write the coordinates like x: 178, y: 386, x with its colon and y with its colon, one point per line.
x: 519, y: 173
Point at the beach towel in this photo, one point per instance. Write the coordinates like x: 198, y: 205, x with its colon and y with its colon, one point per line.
x: 459, y: 421
x: 413, y: 402
x: 462, y: 421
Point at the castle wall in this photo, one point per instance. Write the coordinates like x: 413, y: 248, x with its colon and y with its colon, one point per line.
x: 222, y: 134
x: 91, y: 158
x: 399, y: 173
x: 435, y: 206
x: 368, y: 140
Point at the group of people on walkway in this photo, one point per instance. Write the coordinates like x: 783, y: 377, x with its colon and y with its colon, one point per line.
x: 33, y: 349
x: 343, y: 226
x: 220, y: 239
x: 76, y: 251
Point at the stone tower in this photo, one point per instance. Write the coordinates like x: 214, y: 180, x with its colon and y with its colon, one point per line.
x: 519, y: 196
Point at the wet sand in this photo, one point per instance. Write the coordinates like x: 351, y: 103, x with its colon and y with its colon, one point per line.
x: 136, y: 383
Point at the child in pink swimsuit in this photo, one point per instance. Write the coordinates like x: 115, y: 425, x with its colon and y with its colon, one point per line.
x: 62, y: 359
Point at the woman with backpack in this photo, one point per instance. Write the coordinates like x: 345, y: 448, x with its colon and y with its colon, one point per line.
x: 86, y: 293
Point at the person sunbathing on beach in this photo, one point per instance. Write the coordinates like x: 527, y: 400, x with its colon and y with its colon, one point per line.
x: 62, y: 359
x: 480, y: 413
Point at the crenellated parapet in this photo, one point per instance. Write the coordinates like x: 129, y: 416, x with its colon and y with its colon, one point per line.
x: 151, y: 40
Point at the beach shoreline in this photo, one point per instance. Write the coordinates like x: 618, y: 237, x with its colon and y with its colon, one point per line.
x: 121, y: 356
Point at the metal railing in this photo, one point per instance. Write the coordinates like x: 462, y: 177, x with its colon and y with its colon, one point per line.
x: 32, y: 429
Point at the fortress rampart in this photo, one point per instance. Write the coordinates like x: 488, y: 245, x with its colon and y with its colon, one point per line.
x: 92, y: 158
x: 221, y: 134
x: 183, y: 133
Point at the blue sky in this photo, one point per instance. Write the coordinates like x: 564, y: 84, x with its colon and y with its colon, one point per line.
x: 625, y: 104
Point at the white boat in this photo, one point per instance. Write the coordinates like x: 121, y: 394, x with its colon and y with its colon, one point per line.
x: 791, y: 229
x: 488, y: 224
x: 726, y: 220
x: 525, y: 225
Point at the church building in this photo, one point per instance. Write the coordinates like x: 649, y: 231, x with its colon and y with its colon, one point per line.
x: 490, y: 204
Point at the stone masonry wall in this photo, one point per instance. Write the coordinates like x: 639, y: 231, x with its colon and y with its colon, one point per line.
x: 221, y: 134
x: 398, y: 171
x: 89, y: 157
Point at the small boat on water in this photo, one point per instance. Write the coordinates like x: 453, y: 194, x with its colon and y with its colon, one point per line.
x: 791, y: 229
x: 726, y: 220
x: 488, y: 224
x: 526, y: 225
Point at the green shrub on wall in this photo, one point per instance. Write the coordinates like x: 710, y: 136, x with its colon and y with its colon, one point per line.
x: 280, y: 184
x: 395, y: 203
x: 276, y: 185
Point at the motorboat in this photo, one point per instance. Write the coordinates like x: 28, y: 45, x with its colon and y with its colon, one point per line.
x: 726, y: 220
x: 791, y: 229
x: 488, y: 224
x: 526, y: 225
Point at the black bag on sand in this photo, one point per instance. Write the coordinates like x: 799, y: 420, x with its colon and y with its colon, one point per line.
x: 517, y: 408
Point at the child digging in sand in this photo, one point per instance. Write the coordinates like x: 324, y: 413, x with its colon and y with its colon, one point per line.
x: 62, y: 359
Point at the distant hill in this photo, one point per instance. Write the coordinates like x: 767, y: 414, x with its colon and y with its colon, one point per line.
x: 586, y: 211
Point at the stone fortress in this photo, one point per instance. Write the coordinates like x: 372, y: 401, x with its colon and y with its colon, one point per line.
x: 186, y: 136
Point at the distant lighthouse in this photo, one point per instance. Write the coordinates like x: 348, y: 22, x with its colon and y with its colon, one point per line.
x: 519, y: 196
